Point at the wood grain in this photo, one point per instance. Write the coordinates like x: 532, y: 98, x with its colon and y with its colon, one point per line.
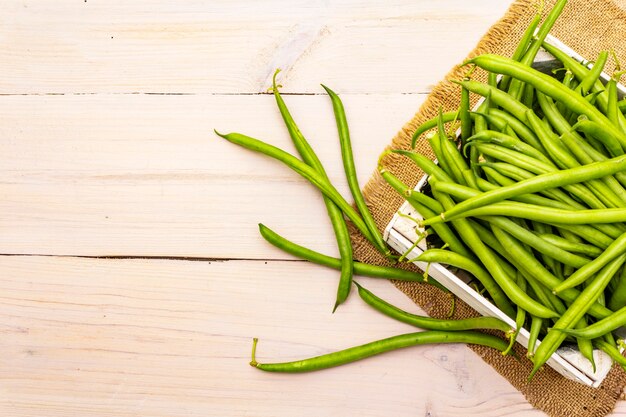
x: 146, y: 176
x: 106, y: 149
x: 69, y: 46
x: 172, y: 338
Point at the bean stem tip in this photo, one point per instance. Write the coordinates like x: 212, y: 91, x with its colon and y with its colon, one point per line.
x: 223, y: 135
x: 253, y: 362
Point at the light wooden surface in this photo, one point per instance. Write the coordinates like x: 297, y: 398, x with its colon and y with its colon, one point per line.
x: 110, y: 176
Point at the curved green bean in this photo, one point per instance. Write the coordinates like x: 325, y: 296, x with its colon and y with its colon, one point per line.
x: 348, y: 164
x: 450, y: 258
x: 617, y: 248
x: 360, y: 268
x: 432, y: 123
x: 430, y: 323
x: 599, y: 328
x: 380, y: 346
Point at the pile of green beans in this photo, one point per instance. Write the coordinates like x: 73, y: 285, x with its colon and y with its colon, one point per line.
x: 529, y: 198
x: 532, y: 192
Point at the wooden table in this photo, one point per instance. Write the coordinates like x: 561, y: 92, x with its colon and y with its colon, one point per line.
x: 132, y: 275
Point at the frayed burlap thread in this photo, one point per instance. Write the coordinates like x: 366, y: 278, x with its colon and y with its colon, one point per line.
x: 588, y: 26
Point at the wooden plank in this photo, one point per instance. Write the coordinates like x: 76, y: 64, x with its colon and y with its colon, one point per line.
x: 172, y: 338
x: 211, y: 46
x: 145, y: 175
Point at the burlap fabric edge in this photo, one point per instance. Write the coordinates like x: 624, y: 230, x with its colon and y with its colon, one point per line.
x: 582, y: 26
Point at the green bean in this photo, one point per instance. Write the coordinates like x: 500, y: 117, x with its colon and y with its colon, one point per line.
x: 525, y: 41
x: 528, y: 117
x: 579, y: 148
x: 588, y: 233
x: 496, y: 123
x: 430, y: 323
x: 435, y: 145
x: 464, y: 115
x: 561, y: 107
x: 339, y: 225
x: 485, y: 185
x: 564, y: 159
x: 310, y: 174
x: 425, y: 164
x: 523, y: 131
x: 602, y: 133
x: 360, y: 268
x: 498, y: 98
x: 543, y: 181
x: 459, y: 261
x: 594, y: 235
x: 618, y: 297
x: 583, y: 152
x: 533, y: 212
x: 380, y: 346
x: 535, y: 328
x: 432, y: 123
x: 585, y: 347
x: 593, y: 154
x: 617, y: 248
x: 599, y: 328
x: 456, y: 161
x: 509, y: 142
x: 554, y: 197
x: 612, y: 110
x: 612, y: 351
x: 454, y: 168
x: 409, y: 194
x: 528, y: 96
x: 570, y: 246
x: 520, y: 316
x: 348, y: 164
x: 541, y: 291
x: 531, y: 53
x: 575, y: 312
x: 594, y: 74
x: 579, y: 70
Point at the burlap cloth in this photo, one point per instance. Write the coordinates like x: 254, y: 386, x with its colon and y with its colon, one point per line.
x: 588, y: 26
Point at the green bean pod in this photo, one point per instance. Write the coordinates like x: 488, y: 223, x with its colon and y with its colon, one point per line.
x: 430, y: 323
x: 538, y: 213
x: 432, y: 123
x: 535, y: 328
x: 360, y: 268
x: 454, y: 259
x: 617, y: 248
x: 348, y: 164
x: 380, y: 346
x: 599, y: 328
